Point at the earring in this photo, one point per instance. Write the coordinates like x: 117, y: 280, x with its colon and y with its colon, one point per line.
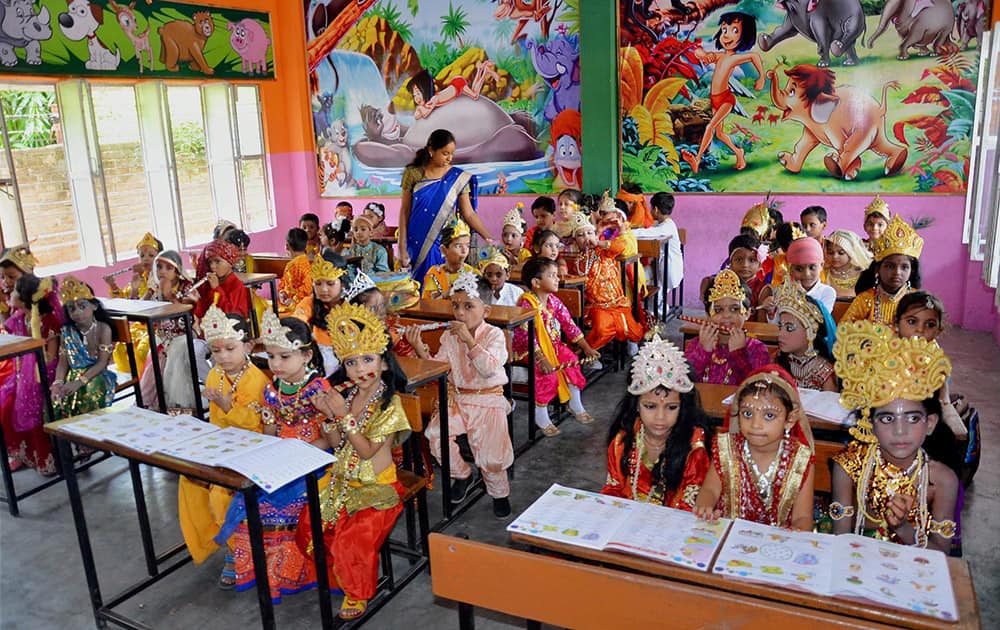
x: 788, y: 432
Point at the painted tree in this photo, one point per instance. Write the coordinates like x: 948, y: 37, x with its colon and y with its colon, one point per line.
x: 453, y: 24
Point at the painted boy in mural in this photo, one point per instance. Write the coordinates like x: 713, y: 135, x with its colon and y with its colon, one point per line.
x: 736, y: 36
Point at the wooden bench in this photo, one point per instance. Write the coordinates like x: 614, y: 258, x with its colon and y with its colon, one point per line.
x: 652, y: 249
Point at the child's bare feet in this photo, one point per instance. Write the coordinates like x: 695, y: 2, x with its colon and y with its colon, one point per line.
x: 691, y: 159
x: 741, y: 162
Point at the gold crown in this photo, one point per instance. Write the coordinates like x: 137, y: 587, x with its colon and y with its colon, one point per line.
x: 72, y: 290
x: 216, y: 326
x: 21, y: 257
x: 606, y: 204
x: 797, y: 232
x: 148, y: 240
x: 758, y: 219
x: 899, y: 238
x: 494, y: 256
x: 323, y: 269
x: 355, y: 330
x: 726, y: 285
x: 272, y: 333
x: 877, y: 367
x: 579, y: 221
x: 877, y: 206
x: 790, y: 297
x: 659, y: 363
x: 459, y: 228
x: 514, y: 218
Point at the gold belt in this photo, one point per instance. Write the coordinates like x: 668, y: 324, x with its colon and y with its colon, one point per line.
x: 498, y: 389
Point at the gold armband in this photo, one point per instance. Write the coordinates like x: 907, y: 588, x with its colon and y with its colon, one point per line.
x: 839, y: 511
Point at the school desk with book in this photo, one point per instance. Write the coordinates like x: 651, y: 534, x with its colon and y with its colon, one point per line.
x: 846, y: 574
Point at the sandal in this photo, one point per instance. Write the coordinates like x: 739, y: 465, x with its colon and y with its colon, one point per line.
x: 584, y: 418
x: 352, y: 608
x: 227, y: 579
x: 550, y: 430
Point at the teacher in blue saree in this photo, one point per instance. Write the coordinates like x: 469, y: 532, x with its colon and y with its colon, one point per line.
x: 433, y: 192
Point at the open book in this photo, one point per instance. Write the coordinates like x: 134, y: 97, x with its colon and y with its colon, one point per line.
x: 267, y: 461
x: 596, y: 521
x: 817, y: 404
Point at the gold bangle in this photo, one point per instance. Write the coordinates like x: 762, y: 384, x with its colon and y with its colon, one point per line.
x: 84, y: 379
x: 350, y: 424
x: 267, y: 416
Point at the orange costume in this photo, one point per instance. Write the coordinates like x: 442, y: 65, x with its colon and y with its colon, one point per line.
x: 609, y: 311
x: 295, y: 284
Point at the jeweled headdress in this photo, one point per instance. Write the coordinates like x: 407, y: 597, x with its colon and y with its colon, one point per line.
x: 355, y: 330
x: 362, y: 282
x: 606, y: 204
x: 726, y: 285
x: 899, y: 238
x: 323, y: 269
x: 21, y: 257
x: 790, y: 297
x: 467, y: 282
x: 758, y: 219
x: 493, y: 256
x: 852, y: 244
x: 758, y: 381
x: 579, y: 221
x: 877, y: 367
x: 797, y: 232
x: 148, y: 240
x: 72, y: 290
x: 216, y: 326
x: 514, y: 218
x: 877, y: 206
x: 459, y: 228
x: 659, y: 363
x: 272, y: 333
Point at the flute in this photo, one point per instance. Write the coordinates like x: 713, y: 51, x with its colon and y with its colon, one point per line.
x: 195, y: 286
x: 346, y: 385
x: 701, y: 322
x: 566, y: 366
x: 119, y: 272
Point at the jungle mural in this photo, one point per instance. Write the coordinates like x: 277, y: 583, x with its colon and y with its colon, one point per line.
x: 503, y: 76
x: 798, y: 95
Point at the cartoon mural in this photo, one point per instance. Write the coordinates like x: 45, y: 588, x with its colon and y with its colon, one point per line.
x: 109, y: 38
x: 503, y: 77
x: 798, y: 95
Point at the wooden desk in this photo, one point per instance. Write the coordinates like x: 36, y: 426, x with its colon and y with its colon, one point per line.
x: 758, y: 603
x: 270, y: 263
x: 103, y: 610
x: 150, y: 318
x: 712, y: 396
x: 252, y: 281
x: 762, y: 331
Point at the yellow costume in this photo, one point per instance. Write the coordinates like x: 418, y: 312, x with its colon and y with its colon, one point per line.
x: 875, y: 304
x: 438, y: 280
x: 295, y: 284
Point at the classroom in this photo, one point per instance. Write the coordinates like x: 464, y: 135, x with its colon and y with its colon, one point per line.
x: 542, y: 313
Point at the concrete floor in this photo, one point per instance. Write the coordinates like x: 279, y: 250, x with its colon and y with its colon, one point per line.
x: 42, y: 584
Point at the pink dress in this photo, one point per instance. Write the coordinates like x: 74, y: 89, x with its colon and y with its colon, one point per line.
x: 558, y: 322
x: 722, y: 367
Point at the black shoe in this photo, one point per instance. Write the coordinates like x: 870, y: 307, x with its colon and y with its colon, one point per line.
x: 460, y: 489
x: 501, y: 507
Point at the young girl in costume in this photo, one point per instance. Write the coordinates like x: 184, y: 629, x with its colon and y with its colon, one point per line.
x: 659, y: 439
x: 289, y: 411
x: 783, y: 237
x: 138, y: 286
x: 235, y: 391
x: 763, y: 466
x: 895, y: 272
x: 35, y: 312
x: 513, y: 237
x: 336, y: 236
x: 552, y: 324
x: 14, y: 262
x: 884, y: 484
x: 455, y: 240
x: 239, y: 238
x: 846, y: 257
x: 170, y: 284
x: 329, y: 274
x: 477, y: 408
x: 806, y: 333
x: 83, y: 381
x: 613, y: 226
x: 376, y: 212
x: 725, y: 358
x: 362, y: 502
x: 877, y: 215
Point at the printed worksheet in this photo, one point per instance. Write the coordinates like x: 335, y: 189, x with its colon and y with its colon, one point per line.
x: 112, y: 423
x: 575, y: 517
x: 163, y: 431
x: 279, y: 463
x: 777, y: 556
x: 214, y: 448
x: 669, y: 535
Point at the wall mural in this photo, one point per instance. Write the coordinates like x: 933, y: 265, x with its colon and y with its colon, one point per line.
x: 852, y: 96
x: 122, y: 39
x: 502, y: 76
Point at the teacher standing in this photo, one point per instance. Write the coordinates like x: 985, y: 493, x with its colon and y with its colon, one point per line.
x: 433, y: 192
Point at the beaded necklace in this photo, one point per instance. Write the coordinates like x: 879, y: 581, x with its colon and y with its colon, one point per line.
x: 763, y: 482
x: 236, y: 380
x: 877, y: 315
x: 291, y: 407
x: 347, y: 454
x: 916, y: 478
x: 636, y: 461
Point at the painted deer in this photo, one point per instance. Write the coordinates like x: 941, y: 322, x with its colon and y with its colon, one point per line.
x: 140, y: 41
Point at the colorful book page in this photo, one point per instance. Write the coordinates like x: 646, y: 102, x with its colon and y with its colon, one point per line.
x: 164, y: 431
x: 279, y: 463
x: 111, y: 424
x: 669, y: 535
x: 894, y: 575
x: 761, y: 553
x: 575, y: 517
x: 214, y: 448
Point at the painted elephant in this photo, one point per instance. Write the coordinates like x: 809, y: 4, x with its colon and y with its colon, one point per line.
x: 971, y: 21
x: 844, y: 118
x: 835, y: 26
x: 922, y: 24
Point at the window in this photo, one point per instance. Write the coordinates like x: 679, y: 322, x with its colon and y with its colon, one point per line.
x: 88, y: 168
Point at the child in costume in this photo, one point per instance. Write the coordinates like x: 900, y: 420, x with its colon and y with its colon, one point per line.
x: 169, y: 284
x: 763, y: 466
x: 805, y: 267
x: 35, y: 312
x: 725, y: 358
x: 375, y: 212
x: 495, y: 269
x: 83, y: 381
x: 329, y: 273
x: 138, y: 286
x: 477, y: 353
x: 362, y: 502
x: 239, y: 238
x: 846, y: 257
x: 296, y: 282
x: 552, y: 324
x: 14, y: 262
x: 806, y: 333
x: 547, y: 244
x: 877, y: 215
x: 658, y: 442
x: 290, y: 410
x: 309, y: 223
x: 235, y: 391
x: 884, y: 484
x: 637, y: 208
x: 783, y: 237
x: 336, y: 236
x: 513, y: 235
x: 744, y: 261
x: 895, y: 272
x: 455, y: 240
x: 613, y: 226
x: 609, y: 312
x: 374, y: 258
x: 543, y: 209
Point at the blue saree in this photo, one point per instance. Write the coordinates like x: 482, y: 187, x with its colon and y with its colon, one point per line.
x: 435, y: 203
